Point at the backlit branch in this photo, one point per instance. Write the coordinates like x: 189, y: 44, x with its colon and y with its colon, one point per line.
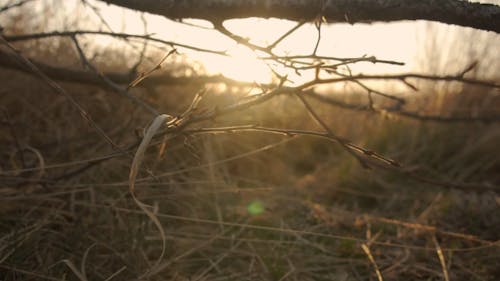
x: 463, y: 13
x: 402, y: 78
x: 300, y: 62
x: 25, y: 37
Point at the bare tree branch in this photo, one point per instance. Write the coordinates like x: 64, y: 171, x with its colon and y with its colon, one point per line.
x: 463, y: 13
x: 401, y: 77
x: 399, y: 112
x: 24, y: 37
x: 85, y: 77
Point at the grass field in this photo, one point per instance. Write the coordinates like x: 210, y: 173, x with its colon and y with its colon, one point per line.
x: 241, y: 204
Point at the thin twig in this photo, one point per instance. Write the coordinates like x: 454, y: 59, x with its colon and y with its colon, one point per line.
x: 402, y: 78
x: 148, y: 73
x: 396, y: 112
x: 24, y: 37
x: 285, y: 35
x: 108, y: 81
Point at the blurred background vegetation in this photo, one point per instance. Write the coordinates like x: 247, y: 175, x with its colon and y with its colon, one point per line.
x: 245, y: 205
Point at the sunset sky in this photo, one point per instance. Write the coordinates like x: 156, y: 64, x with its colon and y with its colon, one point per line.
x: 410, y: 42
x: 386, y: 41
x: 405, y: 41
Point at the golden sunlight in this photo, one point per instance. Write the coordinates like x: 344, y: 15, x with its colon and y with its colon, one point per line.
x: 394, y: 41
x: 242, y: 64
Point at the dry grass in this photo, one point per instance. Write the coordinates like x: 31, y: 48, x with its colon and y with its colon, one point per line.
x: 320, y: 206
x: 67, y: 213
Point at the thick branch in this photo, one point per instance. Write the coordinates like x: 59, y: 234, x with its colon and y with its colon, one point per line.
x: 85, y: 77
x: 463, y: 13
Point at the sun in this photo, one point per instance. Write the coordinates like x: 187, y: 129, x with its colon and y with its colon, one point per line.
x: 242, y: 64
